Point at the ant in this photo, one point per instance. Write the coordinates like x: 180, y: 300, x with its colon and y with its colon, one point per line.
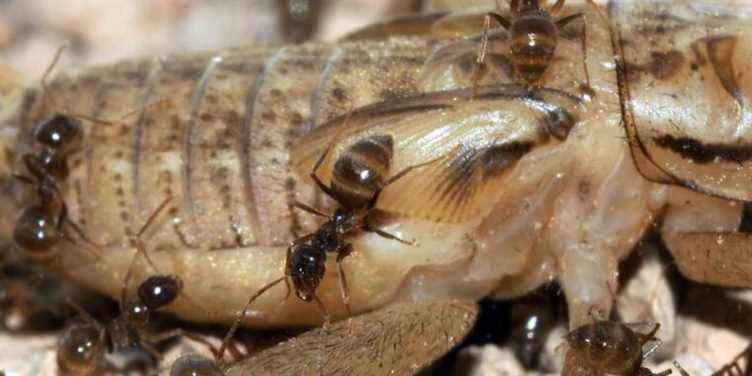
x: 607, y: 347
x: 533, y: 33
x: 83, y: 346
x: 39, y: 227
x: 358, y: 178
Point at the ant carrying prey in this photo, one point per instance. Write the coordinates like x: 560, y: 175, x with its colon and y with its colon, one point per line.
x: 358, y: 178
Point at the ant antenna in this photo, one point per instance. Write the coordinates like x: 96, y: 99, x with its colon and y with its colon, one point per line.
x: 236, y: 323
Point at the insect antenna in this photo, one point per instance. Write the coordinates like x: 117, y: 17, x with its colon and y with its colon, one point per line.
x: 51, y: 66
x: 239, y: 317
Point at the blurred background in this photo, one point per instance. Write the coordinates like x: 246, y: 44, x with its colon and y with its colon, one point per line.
x: 99, y: 31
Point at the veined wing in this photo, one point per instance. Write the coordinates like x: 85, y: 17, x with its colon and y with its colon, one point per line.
x: 476, y: 138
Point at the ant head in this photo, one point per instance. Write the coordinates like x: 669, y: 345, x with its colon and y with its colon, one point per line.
x: 137, y: 313
x: 58, y: 132
x: 81, y: 349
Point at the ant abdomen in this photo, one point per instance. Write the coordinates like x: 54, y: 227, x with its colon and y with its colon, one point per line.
x: 533, y: 40
x: 36, y: 231
x: 194, y: 365
x: 360, y: 171
x: 159, y: 290
x: 306, y: 268
x: 81, y: 350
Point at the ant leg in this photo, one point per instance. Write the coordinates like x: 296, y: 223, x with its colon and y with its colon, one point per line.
x: 63, y: 219
x: 399, y: 175
x: 562, y: 23
x: 322, y: 308
x: 556, y: 8
x: 479, y: 70
x: 310, y: 209
x: 236, y: 323
x: 344, y: 252
x: 149, y: 348
x: 384, y: 234
x: 82, y: 312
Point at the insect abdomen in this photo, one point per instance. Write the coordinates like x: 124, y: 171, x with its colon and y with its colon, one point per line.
x: 213, y: 132
x: 533, y: 45
x: 361, y: 170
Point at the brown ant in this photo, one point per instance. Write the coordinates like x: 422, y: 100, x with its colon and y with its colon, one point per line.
x: 83, y: 346
x: 39, y: 227
x: 607, y: 347
x: 533, y: 34
x: 358, y: 178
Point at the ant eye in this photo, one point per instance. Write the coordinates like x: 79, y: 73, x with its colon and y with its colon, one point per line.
x: 36, y: 230
x: 58, y: 131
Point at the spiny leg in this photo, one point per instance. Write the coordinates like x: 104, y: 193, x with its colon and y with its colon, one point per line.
x: 236, y: 323
x: 341, y: 254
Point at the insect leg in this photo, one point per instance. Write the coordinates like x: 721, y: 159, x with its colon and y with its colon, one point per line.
x: 563, y: 22
x: 310, y: 209
x: 556, y: 8
x: 82, y: 312
x: 384, y: 234
x: 322, y: 308
x: 236, y: 323
x: 479, y: 70
x: 341, y: 254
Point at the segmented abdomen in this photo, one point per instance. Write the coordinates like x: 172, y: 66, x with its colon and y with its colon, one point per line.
x: 212, y: 132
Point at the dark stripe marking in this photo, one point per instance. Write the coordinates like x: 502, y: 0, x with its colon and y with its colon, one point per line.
x: 704, y: 153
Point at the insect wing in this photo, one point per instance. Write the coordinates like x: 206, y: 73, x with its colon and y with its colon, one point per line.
x: 476, y: 138
x: 687, y: 101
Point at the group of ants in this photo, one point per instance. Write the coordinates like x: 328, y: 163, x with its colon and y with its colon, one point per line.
x: 358, y: 177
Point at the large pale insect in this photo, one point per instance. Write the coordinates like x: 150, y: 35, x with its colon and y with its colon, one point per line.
x: 543, y: 186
